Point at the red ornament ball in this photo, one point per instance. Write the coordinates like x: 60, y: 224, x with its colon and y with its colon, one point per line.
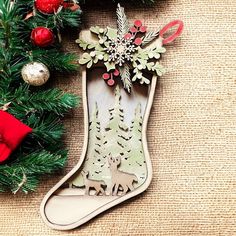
x: 42, y: 36
x: 48, y: 6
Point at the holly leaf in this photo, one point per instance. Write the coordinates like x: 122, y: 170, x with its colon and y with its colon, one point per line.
x: 97, y: 30
x: 161, y: 50
x: 138, y: 75
x: 150, y: 66
x: 82, y: 44
x: 144, y: 80
x: 85, y: 59
x: 110, y: 66
x: 159, y: 69
x: 91, y: 46
x: 111, y: 33
x: 89, y: 65
x: 105, y: 57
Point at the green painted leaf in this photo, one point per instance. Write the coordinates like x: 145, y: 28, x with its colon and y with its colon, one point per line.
x: 161, y: 50
x: 110, y: 66
x: 159, y: 69
x: 96, y: 30
x: 145, y: 80
x: 95, y: 60
x: 82, y: 44
x: 91, y: 46
x: 150, y: 65
x: 105, y: 57
x: 111, y: 33
x: 134, y: 78
x: 89, y: 65
x: 85, y: 59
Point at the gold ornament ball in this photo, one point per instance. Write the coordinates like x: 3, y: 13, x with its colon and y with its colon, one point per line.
x: 35, y: 73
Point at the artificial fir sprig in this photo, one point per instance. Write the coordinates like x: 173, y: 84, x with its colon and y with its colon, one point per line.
x: 42, y: 151
x: 24, y: 173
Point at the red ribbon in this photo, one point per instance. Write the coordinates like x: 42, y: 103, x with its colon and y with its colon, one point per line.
x: 12, y: 132
x: 172, y: 37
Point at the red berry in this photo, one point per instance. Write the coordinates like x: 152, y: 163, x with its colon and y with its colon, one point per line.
x: 111, y: 82
x: 48, y: 6
x: 133, y: 30
x: 105, y: 76
x: 143, y: 29
x: 42, y: 36
x: 138, y: 23
x: 116, y: 72
x: 128, y: 36
x: 138, y: 41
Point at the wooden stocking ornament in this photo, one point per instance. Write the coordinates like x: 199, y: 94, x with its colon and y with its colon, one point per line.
x: 119, y: 76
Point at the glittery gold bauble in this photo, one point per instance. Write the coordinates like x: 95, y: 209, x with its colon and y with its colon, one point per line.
x: 35, y: 73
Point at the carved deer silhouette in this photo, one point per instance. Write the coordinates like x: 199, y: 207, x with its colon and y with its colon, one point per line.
x: 93, y: 184
x: 120, y: 178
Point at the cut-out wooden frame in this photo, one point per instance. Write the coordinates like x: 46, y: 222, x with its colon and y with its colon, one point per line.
x: 119, y: 199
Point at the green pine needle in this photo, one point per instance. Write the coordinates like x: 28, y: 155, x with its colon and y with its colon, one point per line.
x: 41, y: 109
x: 25, y: 172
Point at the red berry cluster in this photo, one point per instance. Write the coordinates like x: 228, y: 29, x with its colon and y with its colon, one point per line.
x: 109, y: 77
x: 136, y: 29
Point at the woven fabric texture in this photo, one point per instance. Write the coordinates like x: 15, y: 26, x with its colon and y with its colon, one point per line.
x: 191, y: 133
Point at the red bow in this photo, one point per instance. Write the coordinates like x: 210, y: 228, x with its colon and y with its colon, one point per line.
x: 12, y: 132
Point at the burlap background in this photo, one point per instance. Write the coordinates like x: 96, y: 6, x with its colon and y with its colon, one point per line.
x: 192, y: 133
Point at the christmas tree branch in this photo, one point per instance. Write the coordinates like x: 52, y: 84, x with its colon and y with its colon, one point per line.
x: 48, y: 130
x: 25, y: 172
x: 51, y: 100
x: 62, y: 61
x: 40, y: 109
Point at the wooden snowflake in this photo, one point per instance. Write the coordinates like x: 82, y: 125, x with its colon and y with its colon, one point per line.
x: 121, y: 50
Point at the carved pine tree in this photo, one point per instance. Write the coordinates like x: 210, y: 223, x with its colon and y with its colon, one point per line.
x: 95, y: 161
x: 136, y: 160
x: 116, y: 132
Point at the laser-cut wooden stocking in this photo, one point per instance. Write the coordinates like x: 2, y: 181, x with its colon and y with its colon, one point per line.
x: 119, y: 80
